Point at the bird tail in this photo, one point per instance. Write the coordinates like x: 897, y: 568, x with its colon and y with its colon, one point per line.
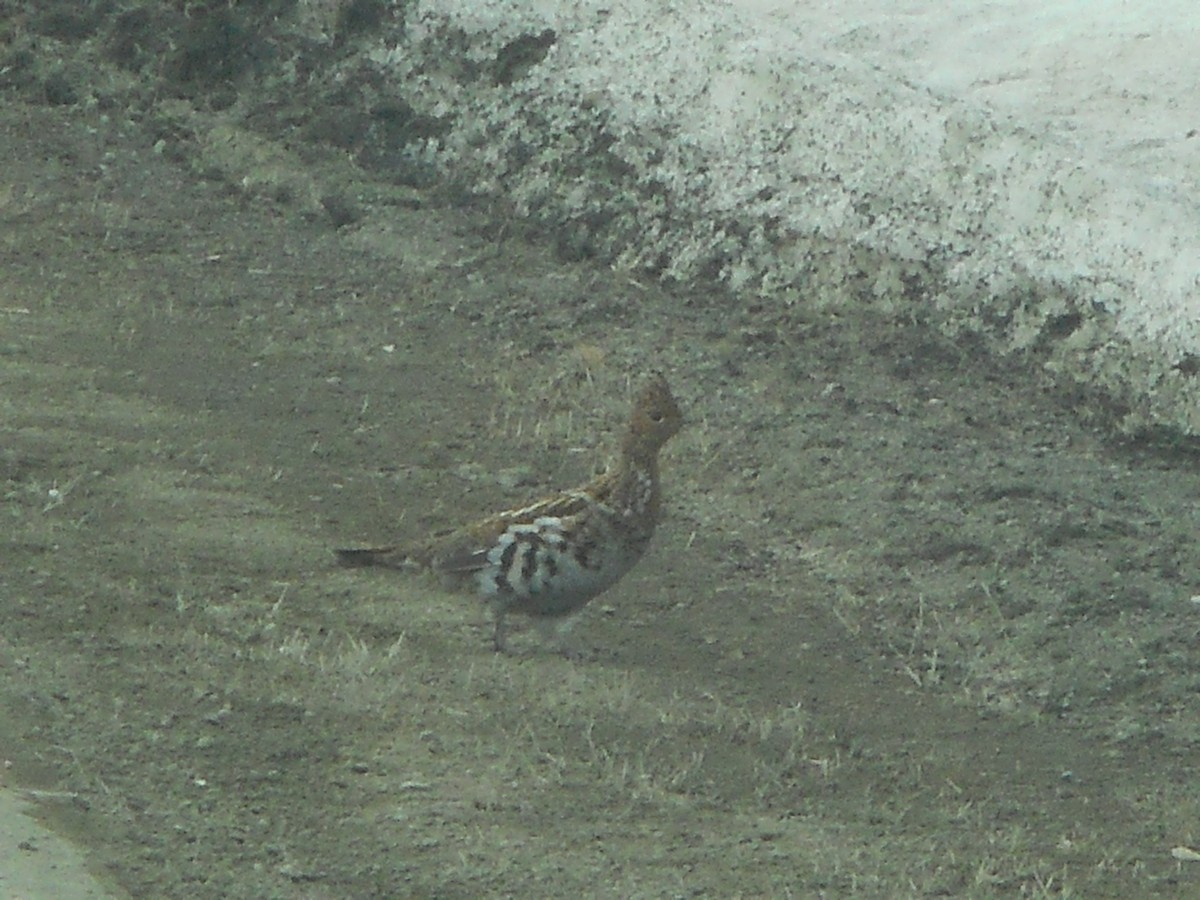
x: 388, y: 557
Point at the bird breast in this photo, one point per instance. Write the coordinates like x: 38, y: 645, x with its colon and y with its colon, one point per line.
x: 553, y: 565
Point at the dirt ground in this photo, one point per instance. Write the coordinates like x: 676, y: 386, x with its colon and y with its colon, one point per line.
x: 911, y: 627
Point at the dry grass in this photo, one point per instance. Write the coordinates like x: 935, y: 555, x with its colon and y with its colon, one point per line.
x: 862, y: 659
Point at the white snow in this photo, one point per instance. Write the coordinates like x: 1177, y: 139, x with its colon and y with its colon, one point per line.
x: 1116, y: 83
x: 1119, y: 79
x: 1031, y: 167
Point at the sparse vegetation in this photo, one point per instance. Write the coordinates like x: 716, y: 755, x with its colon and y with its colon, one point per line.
x: 908, y: 630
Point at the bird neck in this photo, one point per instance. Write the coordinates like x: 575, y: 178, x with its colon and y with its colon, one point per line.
x: 635, y: 486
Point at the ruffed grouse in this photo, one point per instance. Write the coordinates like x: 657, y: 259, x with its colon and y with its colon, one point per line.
x: 548, y: 559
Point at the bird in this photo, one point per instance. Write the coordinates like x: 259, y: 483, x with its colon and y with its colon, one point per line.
x: 548, y: 559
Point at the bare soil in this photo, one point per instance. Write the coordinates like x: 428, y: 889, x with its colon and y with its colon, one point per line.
x: 912, y: 626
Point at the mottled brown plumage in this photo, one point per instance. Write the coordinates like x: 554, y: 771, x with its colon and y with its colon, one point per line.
x: 548, y: 559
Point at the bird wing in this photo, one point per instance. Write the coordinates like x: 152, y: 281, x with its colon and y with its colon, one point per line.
x: 466, y: 550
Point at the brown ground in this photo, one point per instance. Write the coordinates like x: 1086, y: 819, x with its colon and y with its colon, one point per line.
x: 909, y: 628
